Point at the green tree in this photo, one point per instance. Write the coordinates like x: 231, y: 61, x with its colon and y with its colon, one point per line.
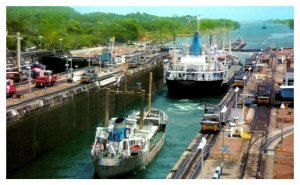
x: 87, y: 30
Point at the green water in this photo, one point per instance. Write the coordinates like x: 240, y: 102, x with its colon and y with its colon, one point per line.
x: 72, y: 160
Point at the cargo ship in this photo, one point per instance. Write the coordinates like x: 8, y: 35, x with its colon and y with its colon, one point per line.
x: 128, y: 143
x: 202, y: 71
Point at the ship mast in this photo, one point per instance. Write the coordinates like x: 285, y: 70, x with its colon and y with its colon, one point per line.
x: 141, y: 121
x: 196, y: 46
x: 133, y: 93
x: 198, y: 23
x: 229, y: 44
x: 150, y: 92
x: 107, y: 106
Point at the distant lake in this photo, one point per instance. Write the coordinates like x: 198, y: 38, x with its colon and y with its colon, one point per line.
x: 278, y: 35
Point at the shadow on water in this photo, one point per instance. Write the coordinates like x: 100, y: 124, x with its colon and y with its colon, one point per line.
x: 68, y: 161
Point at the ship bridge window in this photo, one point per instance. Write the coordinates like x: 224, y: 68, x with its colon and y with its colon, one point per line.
x: 216, y: 75
x: 290, y: 81
x: 191, y: 70
x: 155, y: 122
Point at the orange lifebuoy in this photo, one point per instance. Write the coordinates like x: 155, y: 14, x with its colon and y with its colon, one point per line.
x: 136, y: 148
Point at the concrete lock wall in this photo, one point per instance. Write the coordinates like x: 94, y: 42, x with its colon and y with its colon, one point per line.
x: 42, y: 130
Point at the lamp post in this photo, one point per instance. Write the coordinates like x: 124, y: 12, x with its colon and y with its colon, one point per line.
x: 223, y: 136
x: 252, y: 67
x: 60, y: 43
x: 66, y: 57
x: 40, y: 39
x: 19, y: 51
x: 89, y: 60
x: 224, y: 149
x: 244, y: 79
x: 201, y: 147
x: 236, y: 91
x: 71, y: 66
x: 99, y: 58
x: 282, y: 107
x: 29, y: 75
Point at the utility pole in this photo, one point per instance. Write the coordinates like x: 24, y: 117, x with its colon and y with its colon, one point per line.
x: 60, y: 43
x: 282, y: 107
x: 40, y: 38
x: 236, y: 91
x: 19, y: 51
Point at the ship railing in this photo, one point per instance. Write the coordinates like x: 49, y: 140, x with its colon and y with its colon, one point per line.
x: 194, y: 78
x: 195, y: 72
x: 112, y: 156
x: 99, y: 152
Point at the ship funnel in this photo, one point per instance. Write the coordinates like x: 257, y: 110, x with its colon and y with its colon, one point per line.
x: 196, y: 44
x: 118, y: 133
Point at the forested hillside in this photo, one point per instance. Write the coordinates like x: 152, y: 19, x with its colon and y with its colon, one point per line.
x: 288, y: 22
x: 46, y: 25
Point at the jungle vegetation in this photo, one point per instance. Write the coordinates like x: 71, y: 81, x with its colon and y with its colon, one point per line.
x: 288, y: 22
x: 52, y: 27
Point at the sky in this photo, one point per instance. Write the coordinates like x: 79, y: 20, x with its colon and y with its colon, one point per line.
x: 237, y: 13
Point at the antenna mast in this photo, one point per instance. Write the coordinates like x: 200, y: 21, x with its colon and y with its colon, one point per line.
x: 198, y: 23
x: 150, y: 92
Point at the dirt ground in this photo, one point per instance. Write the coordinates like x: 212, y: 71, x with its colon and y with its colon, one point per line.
x: 235, y: 147
x: 284, y: 159
x: 231, y: 159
